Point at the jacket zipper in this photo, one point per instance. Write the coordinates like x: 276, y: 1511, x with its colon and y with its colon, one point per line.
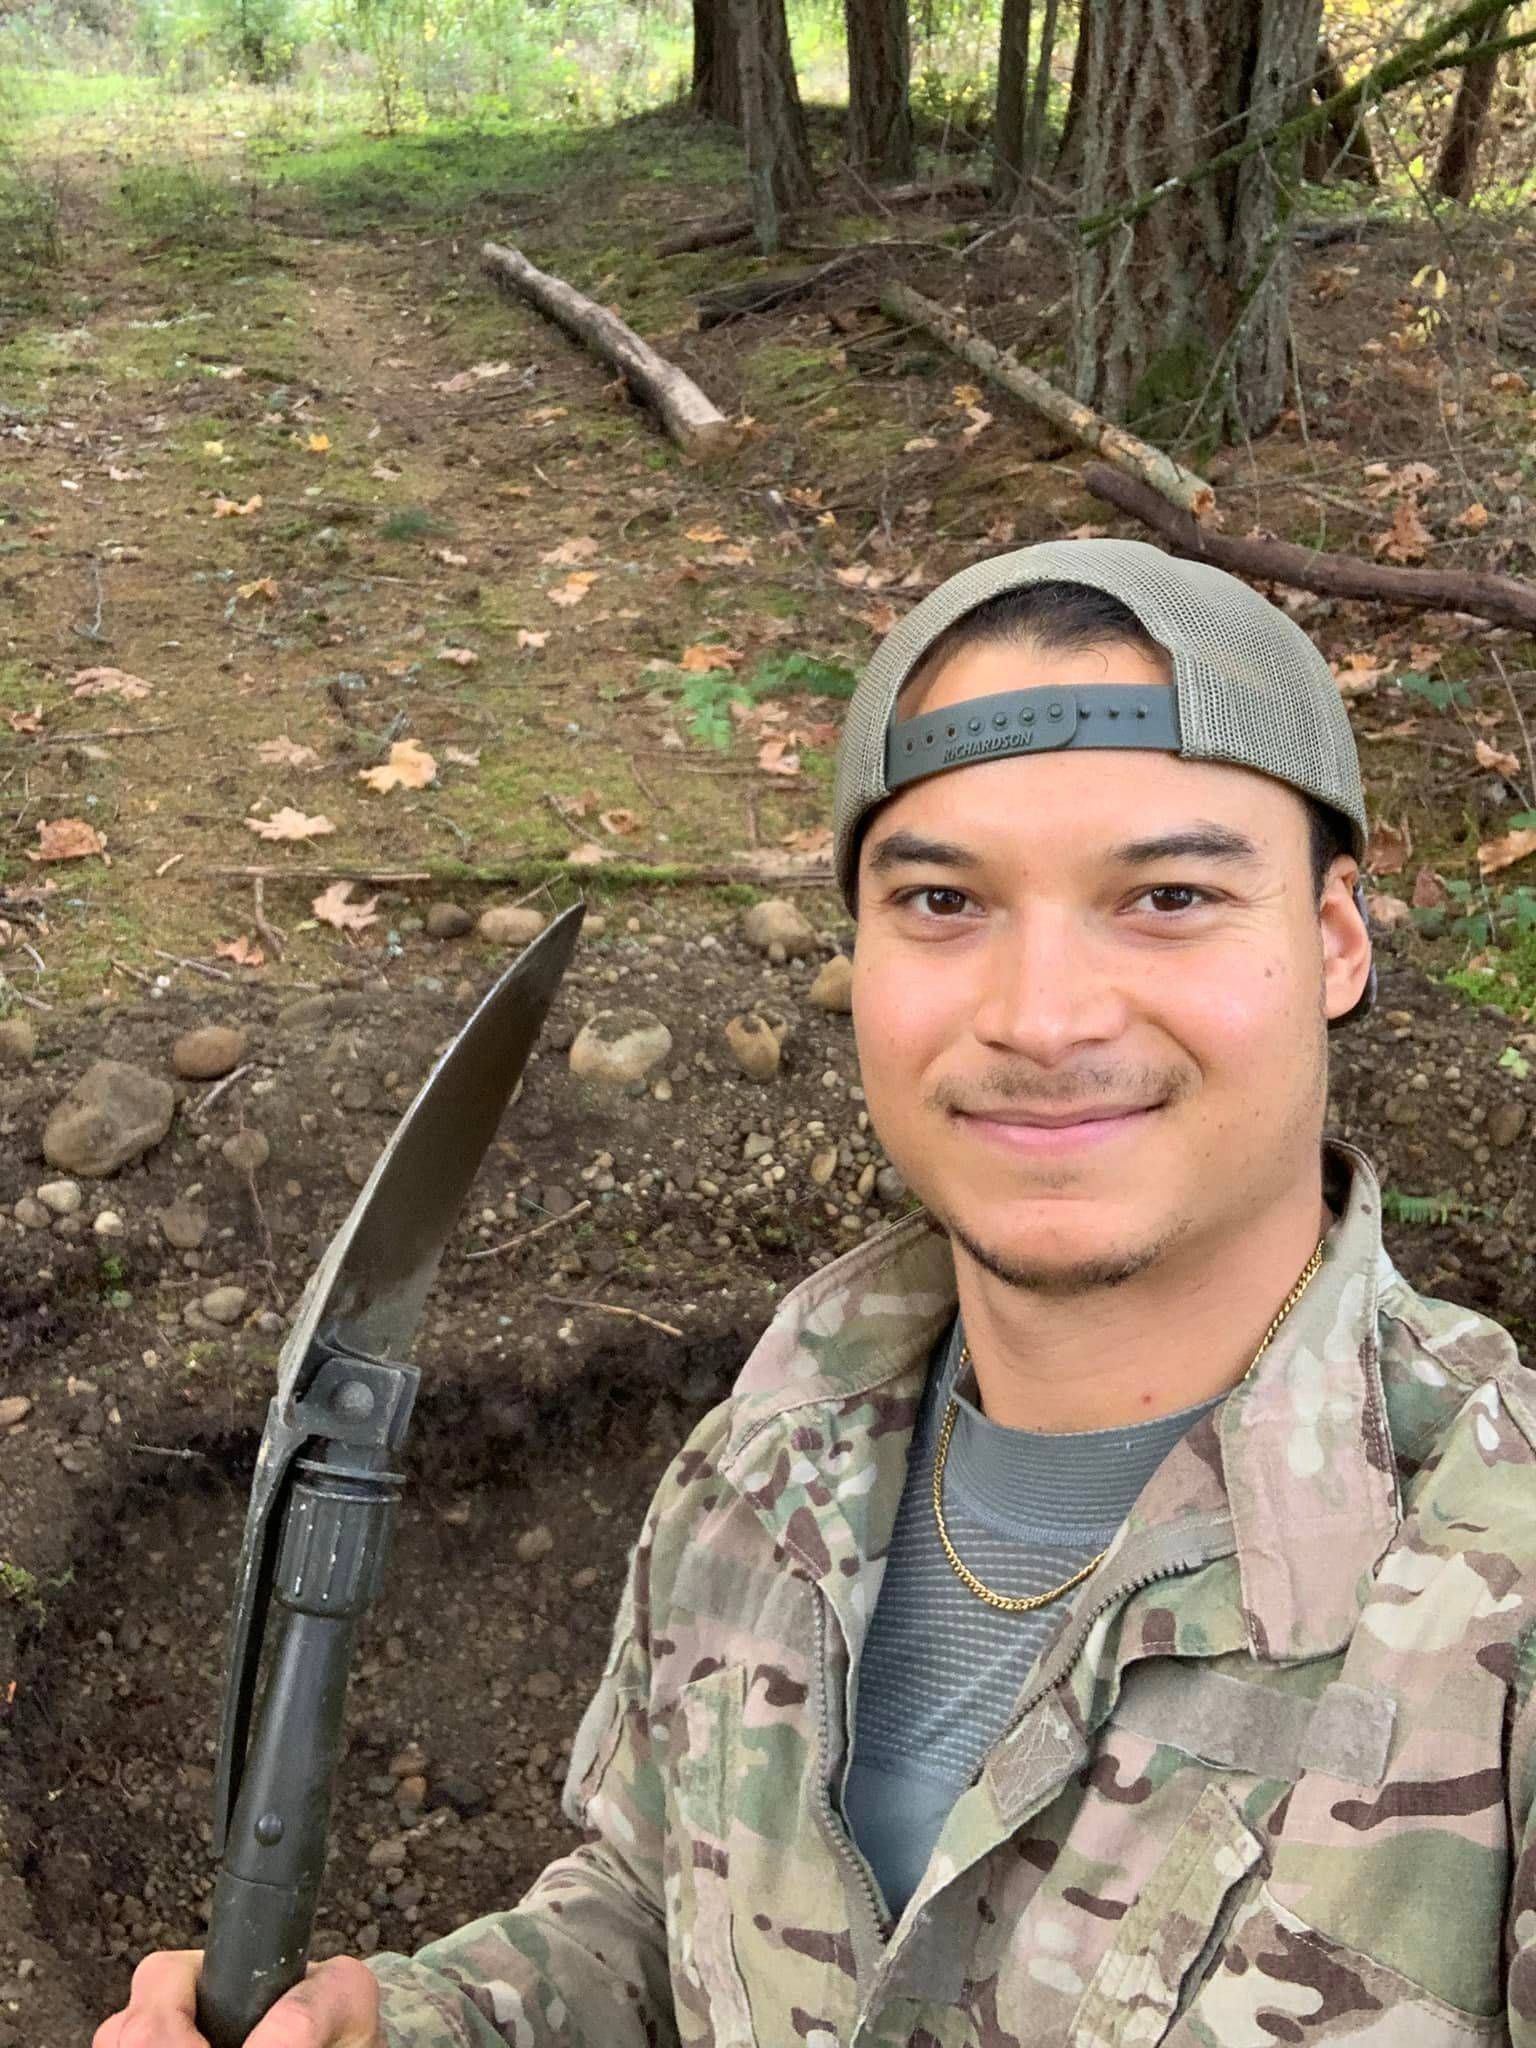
x: 846, y: 1852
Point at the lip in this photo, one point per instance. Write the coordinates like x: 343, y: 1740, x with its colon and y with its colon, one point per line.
x: 1033, y: 1140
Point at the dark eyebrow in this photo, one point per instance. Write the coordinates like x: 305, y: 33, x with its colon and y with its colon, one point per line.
x: 1194, y: 842
x: 906, y: 849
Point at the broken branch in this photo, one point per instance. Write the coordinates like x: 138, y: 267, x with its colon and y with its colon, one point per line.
x: 694, y: 422
x: 1155, y: 469
x: 1500, y: 599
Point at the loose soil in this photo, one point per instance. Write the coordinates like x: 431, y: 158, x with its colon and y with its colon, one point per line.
x: 294, y: 343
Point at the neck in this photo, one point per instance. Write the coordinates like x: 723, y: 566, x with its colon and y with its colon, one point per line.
x: 1182, y: 1332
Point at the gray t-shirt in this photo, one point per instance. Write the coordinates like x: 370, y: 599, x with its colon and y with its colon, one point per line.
x: 941, y: 1672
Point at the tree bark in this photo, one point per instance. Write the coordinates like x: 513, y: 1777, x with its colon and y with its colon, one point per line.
x: 1010, y: 110
x: 879, y: 76
x: 1179, y: 317
x: 697, y: 426
x: 1501, y: 599
x: 716, y: 75
x: 1456, y: 172
x: 1069, y: 156
x: 773, y: 124
x: 1344, y: 151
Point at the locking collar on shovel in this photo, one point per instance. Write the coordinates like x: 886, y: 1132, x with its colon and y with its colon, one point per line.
x: 325, y: 1495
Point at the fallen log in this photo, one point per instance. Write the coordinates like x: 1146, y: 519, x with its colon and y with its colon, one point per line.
x: 709, y: 234
x: 765, y: 294
x: 694, y: 422
x: 1502, y: 600
x: 1170, y: 480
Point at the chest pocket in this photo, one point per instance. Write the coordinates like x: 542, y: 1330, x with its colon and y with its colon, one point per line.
x: 708, y: 1765
x: 1174, y: 1925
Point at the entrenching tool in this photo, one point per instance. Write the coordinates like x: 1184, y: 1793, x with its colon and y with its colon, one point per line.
x: 325, y: 1495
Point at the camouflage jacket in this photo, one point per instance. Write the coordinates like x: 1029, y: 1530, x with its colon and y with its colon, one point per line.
x: 1270, y: 1782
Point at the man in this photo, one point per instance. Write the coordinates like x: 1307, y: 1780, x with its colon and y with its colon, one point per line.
x: 1103, y: 1611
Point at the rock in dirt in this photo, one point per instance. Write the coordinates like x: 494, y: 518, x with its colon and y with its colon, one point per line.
x: 510, y: 925
x: 184, y: 1225
x: 619, y: 1045
x: 755, y: 1046
x: 109, y: 1224
x: 1504, y: 1125
x: 18, y: 1042
x: 63, y: 1197
x: 778, y: 922
x: 833, y: 987
x: 448, y: 921
x: 14, y: 1408
x: 209, y: 1052
x: 535, y: 1543
x: 30, y: 1213
x: 115, y: 1112
x: 224, y: 1304
x: 246, y: 1151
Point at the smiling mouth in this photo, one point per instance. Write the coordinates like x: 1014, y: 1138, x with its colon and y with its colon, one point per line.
x: 1041, y: 1120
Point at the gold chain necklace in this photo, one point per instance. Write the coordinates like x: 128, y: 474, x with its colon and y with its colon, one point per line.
x: 1034, y: 1601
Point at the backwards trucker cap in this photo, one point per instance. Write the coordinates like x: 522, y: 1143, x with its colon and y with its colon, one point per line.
x: 1249, y: 689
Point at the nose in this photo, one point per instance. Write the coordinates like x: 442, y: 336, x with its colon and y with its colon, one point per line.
x: 1047, y: 985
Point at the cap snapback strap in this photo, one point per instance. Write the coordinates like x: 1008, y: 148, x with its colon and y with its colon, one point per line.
x: 1033, y: 721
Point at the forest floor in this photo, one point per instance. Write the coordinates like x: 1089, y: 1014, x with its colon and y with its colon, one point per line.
x: 288, y: 493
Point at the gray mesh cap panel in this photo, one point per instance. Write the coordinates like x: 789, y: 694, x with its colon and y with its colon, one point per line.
x: 1252, y: 689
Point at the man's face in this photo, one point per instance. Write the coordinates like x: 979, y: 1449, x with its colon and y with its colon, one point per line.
x: 1028, y: 953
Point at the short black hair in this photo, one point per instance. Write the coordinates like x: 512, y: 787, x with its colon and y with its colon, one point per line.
x: 1062, y: 617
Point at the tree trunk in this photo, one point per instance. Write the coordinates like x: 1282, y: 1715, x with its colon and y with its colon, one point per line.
x: 879, y: 74
x: 716, y: 75
x: 1179, y: 318
x: 1069, y: 157
x: 773, y: 124
x: 1456, y: 172
x: 1010, y: 111
x: 1344, y: 151
x: 1040, y: 91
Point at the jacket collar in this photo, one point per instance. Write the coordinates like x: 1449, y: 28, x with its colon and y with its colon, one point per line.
x: 1299, y: 1454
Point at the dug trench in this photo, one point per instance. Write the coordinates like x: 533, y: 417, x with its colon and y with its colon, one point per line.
x: 559, y: 1374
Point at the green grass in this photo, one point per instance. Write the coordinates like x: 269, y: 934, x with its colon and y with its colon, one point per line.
x: 1509, y: 980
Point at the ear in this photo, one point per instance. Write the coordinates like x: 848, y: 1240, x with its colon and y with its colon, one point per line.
x: 1345, y: 938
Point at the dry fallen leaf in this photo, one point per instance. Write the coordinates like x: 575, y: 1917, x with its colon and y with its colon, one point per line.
x: 286, y: 753
x: 776, y: 757
x: 707, y: 655
x: 66, y: 839
x: 736, y: 555
x: 966, y: 395
x: 620, y: 821
x: 980, y: 420
x: 862, y: 576
x: 706, y: 536
x: 1357, y: 675
x: 1474, y: 519
x: 25, y: 721
x: 545, y: 415
x: 409, y: 766
x: 264, y: 586
x: 226, y: 508
x: 526, y: 637
x: 450, y: 557
x: 383, y: 474
x: 1490, y: 757
x: 317, y: 444
x: 1494, y: 854
x: 590, y: 855
x: 244, y: 951
x: 816, y: 841
x: 1429, y: 890
x: 477, y: 373
x: 461, y: 657
x: 574, y: 588
x: 332, y: 907
x: 1389, y: 849
x: 581, y: 548
x: 878, y: 617
x: 461, y: 757
x: 290, y: 824
x: 107, y: 682
x: 918, y: 445
x: 1407, y: 539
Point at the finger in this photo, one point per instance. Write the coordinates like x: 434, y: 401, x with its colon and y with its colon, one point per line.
x: 337, y: 2006
x: 161, y: 2005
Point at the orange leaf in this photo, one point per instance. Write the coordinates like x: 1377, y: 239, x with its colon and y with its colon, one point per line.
x: 527, y: 638
x: 66, y: 839
x: 1429, y: 890
x: 226, y: 508
x: 1389, y: 850
x: 573, y: 589
x: 409, y: 767
x: 707, y: 655
x: 1490, y: 757
x: 581, y: 548
x: 620, y: 821
x: 1494, y: 854
x: 1474, y: 519
x: 264, y: 586
x: 244, y: 951
x: 776, y: 757
x: 25, y: 721
x: 707, y: 535
x: 1407, y: 539
x: 289, y: 824
x: 332, y: 907
x: 107, y: 682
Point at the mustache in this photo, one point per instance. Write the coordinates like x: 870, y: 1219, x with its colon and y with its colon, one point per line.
x: 1007, y: 1088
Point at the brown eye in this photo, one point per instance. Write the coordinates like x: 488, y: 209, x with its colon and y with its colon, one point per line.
x: 942, y: 902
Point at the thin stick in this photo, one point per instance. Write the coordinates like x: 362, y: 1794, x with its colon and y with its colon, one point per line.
x: 269, y: 932
x: 134, y: 973
x: 218, y: 1088
x: 525, y: 1236
x: 312, y: 874
x: 110, y: 732
x: 612, y: 1308
x: 1514, y: 705
x: 165, y: 1451
x: 196, y: 966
